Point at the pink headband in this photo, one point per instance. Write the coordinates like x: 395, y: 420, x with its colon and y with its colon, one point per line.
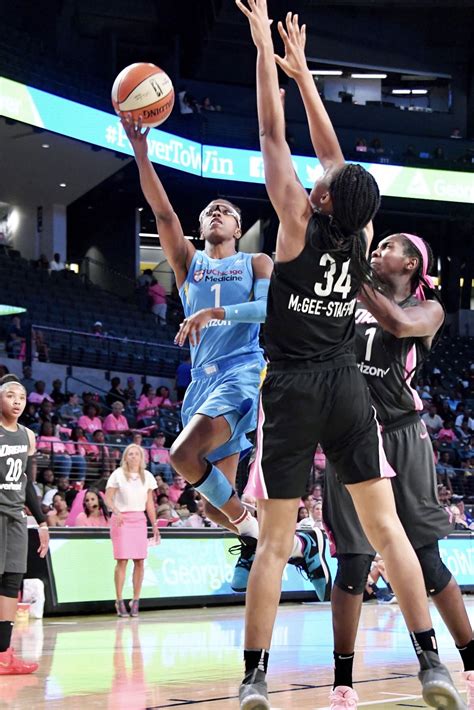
x: 419, y: 244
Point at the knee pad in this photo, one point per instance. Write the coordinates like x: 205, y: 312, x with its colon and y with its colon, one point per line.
x: 435, y: 573
x: 352, y: 572
x: 10, y: 584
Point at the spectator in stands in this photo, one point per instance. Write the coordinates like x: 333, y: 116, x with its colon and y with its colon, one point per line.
x: 143, y: 282
x: 147, y: 404
x: 103, y: 458
x: 137, y: 439
x: 61, y: 485
x: 90, y: 420
x: 319, y: 461
x: 97, y: 329
x: 56, y: 264
x: 116, y: 421
x: 43, y: 263
x: 444, y: 468
x: 39, y: 393
x: 129, y: 494
x: 177, y: 487
x: 199, y: 519
x: 46, y: 412
x: 63, y: 462
x: 302, y: 515
x: 446, y: 434
x: 463, y: 432
x: 130, y: 393
x: 160, y: 458
x: 163, y: 397
x: 157, y: 294
x: 433, y: 421
x: 187, y: 103
x: 28, y: 381
x: 183, y: 378
x: 45, y: 482
x: 14, y: 338
x: 317, y: 514
x: 95, y: 513
x: 361, y: 145
x: 466, y: 414
x: 456, y: 133
x: 40, y: 347
x: 29, y: 417
x: 307, y: 500
x: 57, y: 516
x: 207, y: 105
x: 375, y: 146
x: 57, y: 396
x: 317, y: 491
x: 70, y: 411
x: 115, y: 393
x: 14, y: 346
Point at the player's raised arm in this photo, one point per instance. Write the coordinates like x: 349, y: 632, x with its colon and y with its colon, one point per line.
x: 323, y: 136
x: 286, y: 193
x: 178, y: 250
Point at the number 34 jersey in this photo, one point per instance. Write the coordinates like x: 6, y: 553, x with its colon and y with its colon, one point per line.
x: 14, y: 447
x: 311, y: 303
x: 212, y: 283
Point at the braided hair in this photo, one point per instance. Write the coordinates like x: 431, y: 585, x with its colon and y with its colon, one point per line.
x: 356, y: 198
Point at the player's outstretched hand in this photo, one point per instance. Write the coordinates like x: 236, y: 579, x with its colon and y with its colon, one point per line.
x: 191, y: 327
x: 294, y: 38
x: 257, y: 15
x: 135, y: 134
x: 43, y: 534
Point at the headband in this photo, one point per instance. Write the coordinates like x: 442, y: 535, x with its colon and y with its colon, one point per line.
x: 426, y: 280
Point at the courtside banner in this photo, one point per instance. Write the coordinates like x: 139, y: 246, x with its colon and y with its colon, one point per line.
x: 68, y: 118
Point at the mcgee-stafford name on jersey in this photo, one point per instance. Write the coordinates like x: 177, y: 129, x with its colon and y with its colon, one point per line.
x: 318, y: 307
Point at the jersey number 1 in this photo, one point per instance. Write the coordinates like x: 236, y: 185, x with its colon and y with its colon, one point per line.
x: 15, y: 469
x: 343, y: 281
x: 217, y: 295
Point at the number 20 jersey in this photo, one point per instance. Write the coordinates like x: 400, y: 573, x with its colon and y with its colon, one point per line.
x: 211, y: 283
x: 14, y: 447
x: 311, y: 303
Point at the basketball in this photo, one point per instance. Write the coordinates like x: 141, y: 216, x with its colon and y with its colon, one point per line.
x: 144, y: 90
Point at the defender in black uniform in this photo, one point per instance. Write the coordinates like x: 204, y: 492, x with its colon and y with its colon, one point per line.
x: 313, y: 390
x: 17, y: 446
x: 388, y: 351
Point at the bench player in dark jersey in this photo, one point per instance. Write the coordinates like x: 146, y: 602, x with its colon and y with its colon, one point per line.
x: 313, y: 391
x: 17, y: 446
x: 389, y: 347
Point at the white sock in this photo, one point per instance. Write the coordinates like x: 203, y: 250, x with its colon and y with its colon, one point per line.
x: 297, y: 549
x: 246, y: 525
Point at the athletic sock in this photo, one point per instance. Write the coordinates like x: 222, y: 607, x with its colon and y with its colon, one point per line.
x: 424, y: 641
x: 467, y: 655
x: 298, y: 547
x: 246, y: 525
x: 343, y: 663
x: 6, y: 629
x: 255, y: 658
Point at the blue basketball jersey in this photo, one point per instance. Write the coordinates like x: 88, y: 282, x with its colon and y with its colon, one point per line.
x: 212, y: 283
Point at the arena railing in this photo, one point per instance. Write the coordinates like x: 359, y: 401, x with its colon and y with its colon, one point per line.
x: 144, y: 357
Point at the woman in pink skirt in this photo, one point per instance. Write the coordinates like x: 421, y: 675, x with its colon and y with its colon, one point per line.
x: 129, y: 493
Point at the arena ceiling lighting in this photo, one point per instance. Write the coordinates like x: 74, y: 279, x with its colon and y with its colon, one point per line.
x: 53, y: 113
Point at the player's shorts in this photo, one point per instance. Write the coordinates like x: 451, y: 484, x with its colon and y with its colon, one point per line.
x: 227, y: 388
x: 303, y: 404
x: 13, y: 544
x: 409, y: 451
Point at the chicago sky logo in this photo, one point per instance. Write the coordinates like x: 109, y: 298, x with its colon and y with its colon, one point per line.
x: 198, y: 275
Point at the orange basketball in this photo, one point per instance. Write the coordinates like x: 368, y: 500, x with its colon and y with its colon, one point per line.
x: 143, y: 90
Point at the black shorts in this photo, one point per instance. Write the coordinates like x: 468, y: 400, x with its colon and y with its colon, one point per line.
x: 13, y: 544
x: 409, y: 452
x: 306, y: 404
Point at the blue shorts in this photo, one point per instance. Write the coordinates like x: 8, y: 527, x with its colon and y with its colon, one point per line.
x: 228, y: 388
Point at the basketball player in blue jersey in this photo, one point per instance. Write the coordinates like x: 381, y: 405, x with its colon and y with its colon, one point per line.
x: 17, y: 447
x: 224, y: 294
x: 313, y: 391
x: 391, y: 340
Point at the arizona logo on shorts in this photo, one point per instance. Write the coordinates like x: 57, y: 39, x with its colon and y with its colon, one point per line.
x: 198, y: 275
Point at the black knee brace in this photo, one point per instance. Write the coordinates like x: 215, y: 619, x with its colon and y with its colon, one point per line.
x: 10, y: 584
x: 352, y: 572
x: 435, y: 573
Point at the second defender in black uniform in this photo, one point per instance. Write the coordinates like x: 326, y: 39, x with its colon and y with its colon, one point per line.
x: 388, y: 351
x: 313, y: 390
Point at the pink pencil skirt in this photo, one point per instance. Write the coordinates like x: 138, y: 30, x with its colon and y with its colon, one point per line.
x: 129, y: 540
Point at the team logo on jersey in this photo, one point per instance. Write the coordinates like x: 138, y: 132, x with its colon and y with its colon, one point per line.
x: 199, y: 275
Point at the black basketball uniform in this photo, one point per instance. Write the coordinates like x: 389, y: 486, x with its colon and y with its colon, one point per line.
x: 387, y: 364
x: 14, y: 446
x: 313, y: 391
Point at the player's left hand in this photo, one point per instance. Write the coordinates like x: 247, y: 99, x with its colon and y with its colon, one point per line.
x: 191, y: 327
x: 294, y: 38
x: 257, y: 15
x: 43, y: 534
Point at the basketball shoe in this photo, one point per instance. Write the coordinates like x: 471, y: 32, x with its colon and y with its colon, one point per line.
x: 438, y: 688
x: 253, y: 694
x: 11, y: 665
x: 343, y: 698
x: 313, y: 564
x: 246, y: 551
